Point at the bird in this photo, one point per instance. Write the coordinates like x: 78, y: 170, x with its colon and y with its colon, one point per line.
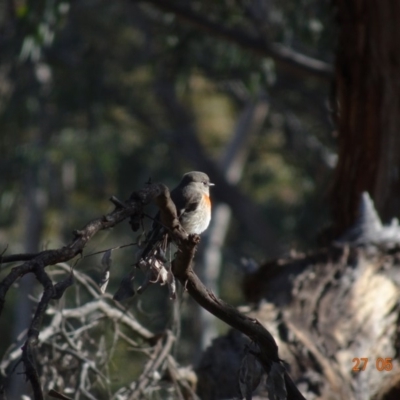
x: 192, y: 200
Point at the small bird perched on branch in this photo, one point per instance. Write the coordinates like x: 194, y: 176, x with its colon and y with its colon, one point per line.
x: 193, y: 207
x: 192, y: 200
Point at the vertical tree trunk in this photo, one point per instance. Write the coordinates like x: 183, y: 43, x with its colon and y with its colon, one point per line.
x: 368, y: 114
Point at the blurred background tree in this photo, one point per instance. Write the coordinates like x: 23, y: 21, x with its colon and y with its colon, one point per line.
x: 367, y: 84
x: 99, y: 96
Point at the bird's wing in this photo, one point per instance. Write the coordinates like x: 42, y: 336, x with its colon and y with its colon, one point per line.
x: 184, y: 200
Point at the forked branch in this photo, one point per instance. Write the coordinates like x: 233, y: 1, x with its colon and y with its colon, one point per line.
x: 181, y: 267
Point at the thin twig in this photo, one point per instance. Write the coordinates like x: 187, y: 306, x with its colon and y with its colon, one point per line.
x: 152, y: 366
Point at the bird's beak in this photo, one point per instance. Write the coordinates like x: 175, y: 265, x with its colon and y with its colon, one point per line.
x: 211, y: 184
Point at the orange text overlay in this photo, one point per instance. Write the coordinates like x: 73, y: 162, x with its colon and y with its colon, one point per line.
x: 381, y: 364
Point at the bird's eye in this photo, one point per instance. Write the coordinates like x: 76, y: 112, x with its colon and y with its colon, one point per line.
x: 204, y: 183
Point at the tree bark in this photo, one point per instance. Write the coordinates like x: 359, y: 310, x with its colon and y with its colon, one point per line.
x: 368, y: 109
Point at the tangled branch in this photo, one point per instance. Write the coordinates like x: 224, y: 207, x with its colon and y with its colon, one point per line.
x: 266, y: 348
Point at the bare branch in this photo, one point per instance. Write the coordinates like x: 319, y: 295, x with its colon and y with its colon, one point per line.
x: 17, y: 257
x: 82, y: 237
x: 181, y: 268
x: 153, y: 365
x: 183, y: 271
x: 287, y: 59
x: 40, y: 261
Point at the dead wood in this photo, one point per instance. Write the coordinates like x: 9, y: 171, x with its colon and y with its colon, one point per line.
x: 327, y: 311
x: 264, y: 348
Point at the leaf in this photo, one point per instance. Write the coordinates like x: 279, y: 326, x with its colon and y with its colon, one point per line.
x: 125, y: 290
x: 160, y: 255
x: 276, y: 387
x: 106, y: 261
x: 104, y: 282
x: 171, y: 285
x: 249, y: 375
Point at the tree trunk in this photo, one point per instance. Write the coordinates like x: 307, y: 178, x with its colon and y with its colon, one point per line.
x: 368, y: 109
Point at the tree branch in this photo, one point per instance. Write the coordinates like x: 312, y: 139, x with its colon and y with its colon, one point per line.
x: 40, y: 261
x: 183, y: 271
x: 17, y: 257
x: 287, y: 59
x: 181, y: 266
